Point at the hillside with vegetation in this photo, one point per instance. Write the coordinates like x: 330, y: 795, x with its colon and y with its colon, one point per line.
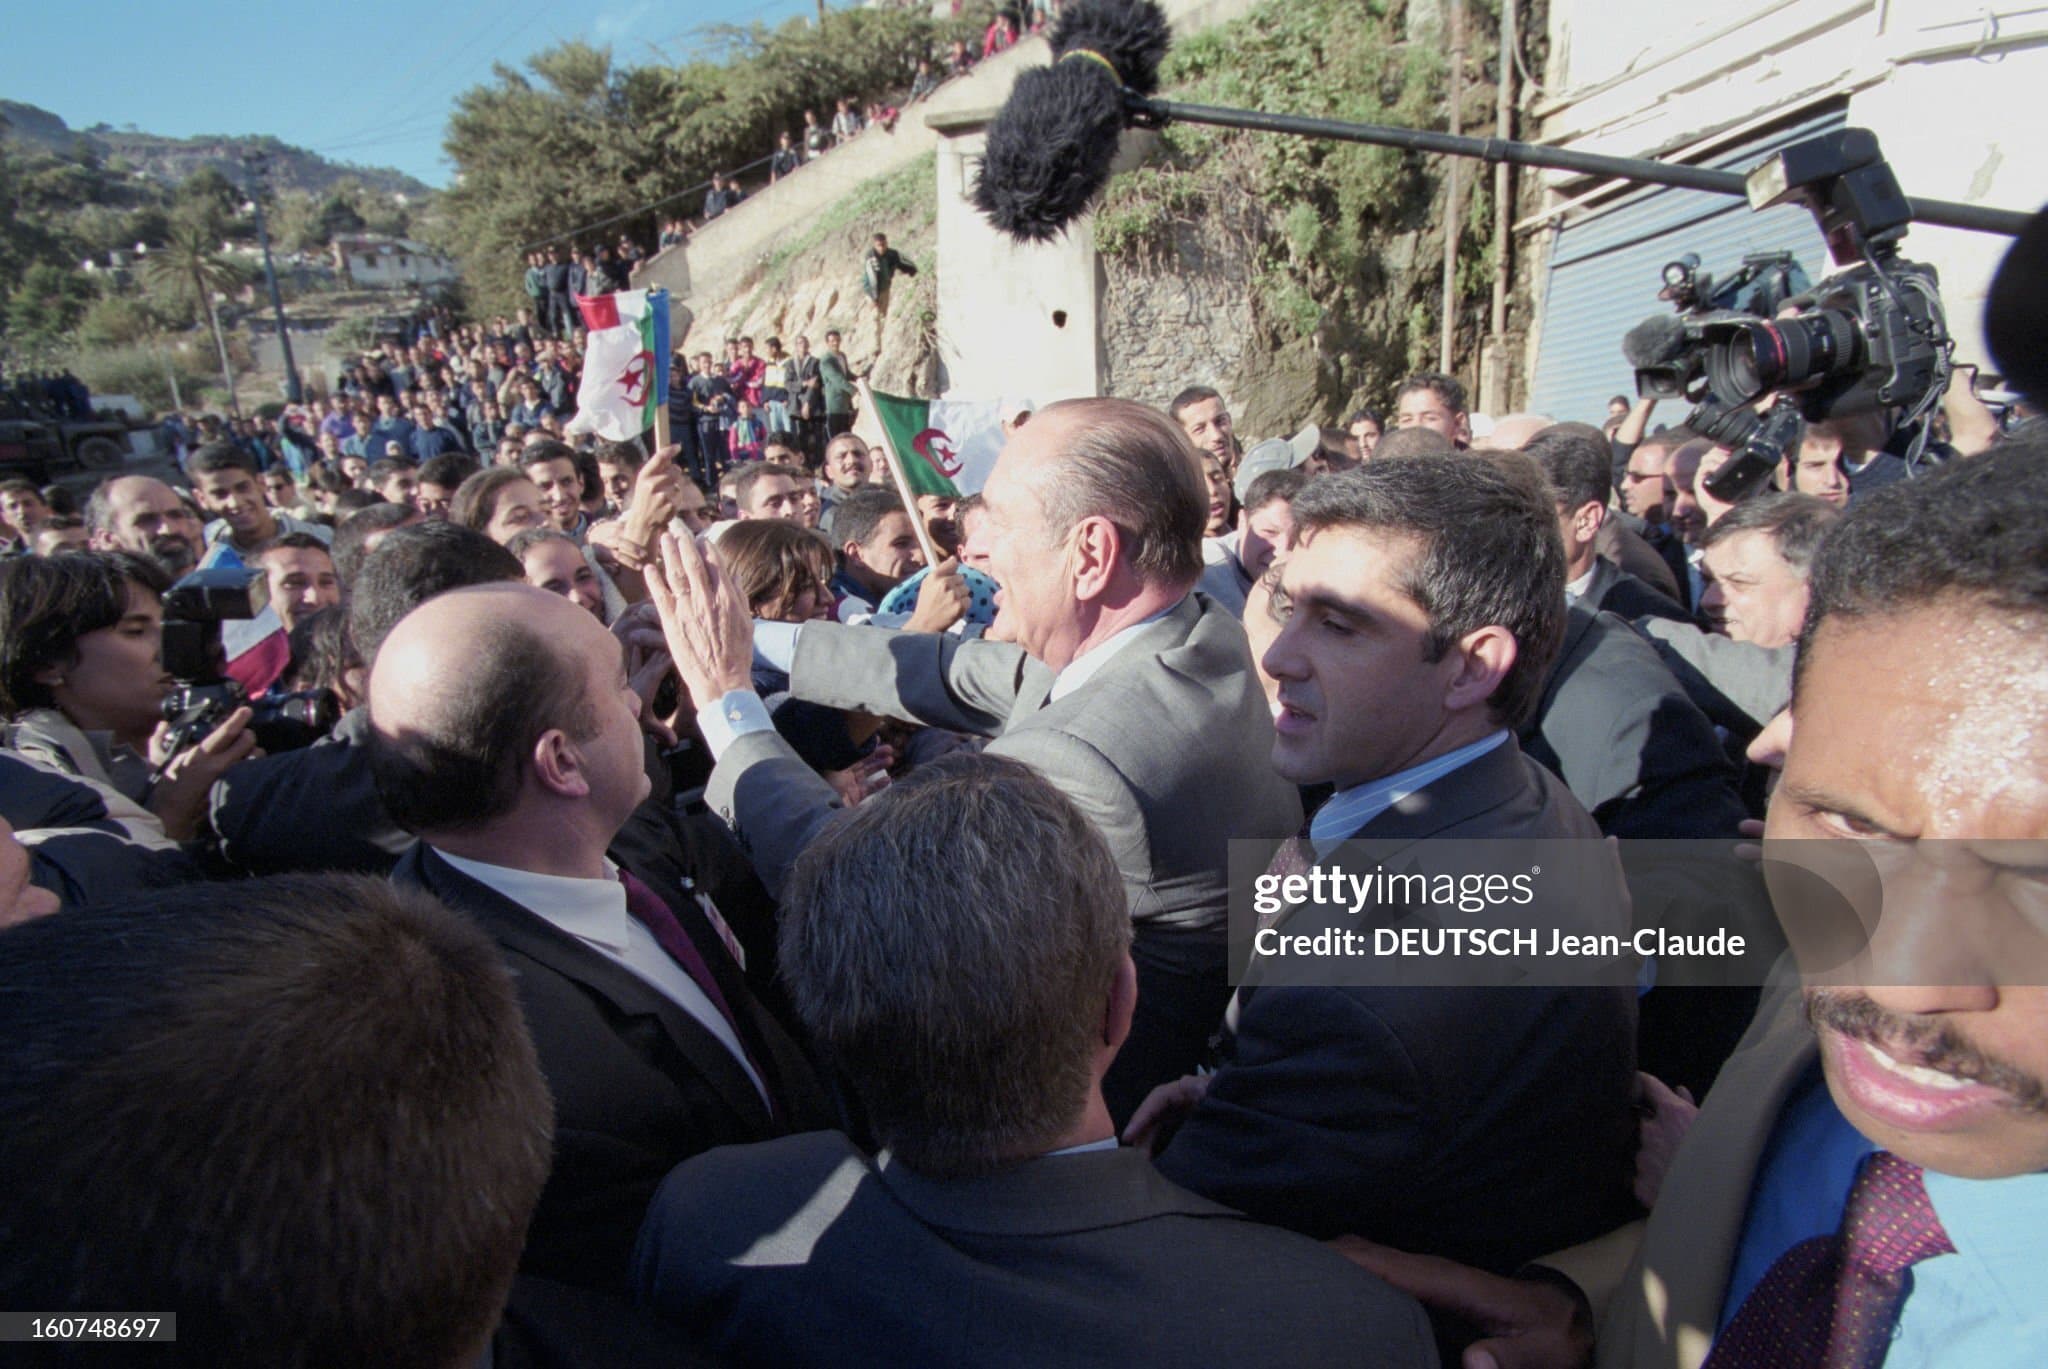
x: 131, y: 319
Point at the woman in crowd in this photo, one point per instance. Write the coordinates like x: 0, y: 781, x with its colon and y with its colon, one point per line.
x: 82, y: 682
x: 784, y: 573
x: 500, y: 503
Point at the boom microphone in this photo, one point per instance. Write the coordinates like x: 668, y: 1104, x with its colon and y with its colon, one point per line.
x: 1050, y: 147
x: 1657, y: 341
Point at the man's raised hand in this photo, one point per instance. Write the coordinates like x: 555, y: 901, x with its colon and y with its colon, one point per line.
x: 710, y: 633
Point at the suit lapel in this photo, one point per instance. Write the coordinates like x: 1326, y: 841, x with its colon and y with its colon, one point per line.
x: 526, y: 932
x: 1696, y: 1228
x: 1477, y: 787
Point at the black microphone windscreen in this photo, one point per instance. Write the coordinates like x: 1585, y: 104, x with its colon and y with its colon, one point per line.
x: 1131, y: 35
x: 1656, y: 341
x: 1049, y: 148
x: 2014, y: 308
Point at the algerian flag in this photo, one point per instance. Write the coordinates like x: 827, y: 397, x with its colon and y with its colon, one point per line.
x: 625, y: 364
x: 948, y: 446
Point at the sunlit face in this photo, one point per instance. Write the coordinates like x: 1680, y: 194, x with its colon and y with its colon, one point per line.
x: 434, y: 500
x: 302, y: 581
x: 561, y: 490
x: 1218, y: 482
x: 117, y: 682
x: 1428, y: 409
x: 774, y: 496
x: 559, y: 568
x: 518, y: 508
x: 1756, y: 593
x: 401, y: 487
x: 1265, y: 533
x: 1207, y: 424
x: 891, y: 554
x: 937, y: 512
x: 1358, y: 697
x: 24, y: 511
x: 234, y: 495
x: 618, y: 482
x: 846, y: 463
x: 1817, y: 468
x: 1946, y: 1065
x: 146, y: 517
x: 1644, y: 489
x: 1366, y: 434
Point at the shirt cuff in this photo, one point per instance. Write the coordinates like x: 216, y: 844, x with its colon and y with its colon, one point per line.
x: 775, y: 645
x: 730, y: 717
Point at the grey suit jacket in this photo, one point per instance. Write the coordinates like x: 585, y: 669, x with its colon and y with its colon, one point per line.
x: 803, y: 1251
x: 1737, y: 684
x: 1664, y: 1314
x: 1167, y: 748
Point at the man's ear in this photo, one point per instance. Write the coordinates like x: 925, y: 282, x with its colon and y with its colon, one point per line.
x: 1587, y: 520
x: 1096, y: 543
x: 558, y: 765
x: 1484, y: 658
x: 1123, y: 1002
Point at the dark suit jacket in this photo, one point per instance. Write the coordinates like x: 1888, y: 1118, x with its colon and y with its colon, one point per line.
x: 1488, y: 1125
x: 1613, y: 590
x: 1621, y: 541
x: 806, y: 1252
x: 1619, y: 730
x: 638, y: 1083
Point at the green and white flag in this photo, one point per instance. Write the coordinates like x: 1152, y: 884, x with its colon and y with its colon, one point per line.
x: 947, y: 446
x: 625, y: 364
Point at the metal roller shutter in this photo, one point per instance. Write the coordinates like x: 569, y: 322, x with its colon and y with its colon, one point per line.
x: 1605, y: 271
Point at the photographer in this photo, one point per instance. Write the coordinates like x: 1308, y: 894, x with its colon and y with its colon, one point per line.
x: 82, y: 682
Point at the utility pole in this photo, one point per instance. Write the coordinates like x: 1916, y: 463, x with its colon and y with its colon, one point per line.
x: 1494, y: 367
x: 255, y: 162
x: 1453, y: 211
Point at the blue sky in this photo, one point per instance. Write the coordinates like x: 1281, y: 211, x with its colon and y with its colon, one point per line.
x: 364, y: 81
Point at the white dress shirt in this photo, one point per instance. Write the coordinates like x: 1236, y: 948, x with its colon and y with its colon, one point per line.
x: 594, y: 912
x: 1350, y: 809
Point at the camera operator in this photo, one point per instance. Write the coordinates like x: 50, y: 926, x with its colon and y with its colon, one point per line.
x: 1840, y: 460
x: 82, y: 682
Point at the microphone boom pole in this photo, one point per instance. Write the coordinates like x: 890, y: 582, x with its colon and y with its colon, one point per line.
x: 1145, y: 112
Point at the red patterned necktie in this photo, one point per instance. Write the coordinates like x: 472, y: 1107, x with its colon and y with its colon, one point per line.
x: 652, y: 912
x: 1831, y: 1302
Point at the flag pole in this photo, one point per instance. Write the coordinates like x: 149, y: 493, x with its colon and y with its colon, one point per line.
x: 659, y: 299
x: 895, y: 460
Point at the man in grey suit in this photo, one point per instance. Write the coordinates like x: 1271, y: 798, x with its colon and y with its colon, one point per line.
x: 1422, y: 609
x: 976, y: 1017
x: 1134, y: 696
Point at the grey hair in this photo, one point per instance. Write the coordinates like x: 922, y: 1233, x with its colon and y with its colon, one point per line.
x: 951, y: 946
x: 1133, y: 465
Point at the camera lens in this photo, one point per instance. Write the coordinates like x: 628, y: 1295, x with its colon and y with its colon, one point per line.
x: 1756, y: 361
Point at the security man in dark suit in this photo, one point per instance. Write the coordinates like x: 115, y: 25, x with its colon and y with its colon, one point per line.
x: 960, y: 945
x: 1479, y: 1122
x: 505, y: 735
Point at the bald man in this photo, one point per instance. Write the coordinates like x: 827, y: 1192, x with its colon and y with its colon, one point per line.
x: 505, y: 736
x: 137, y: 514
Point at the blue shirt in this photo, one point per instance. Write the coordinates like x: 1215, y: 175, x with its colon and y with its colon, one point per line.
x: 1985, y: 1305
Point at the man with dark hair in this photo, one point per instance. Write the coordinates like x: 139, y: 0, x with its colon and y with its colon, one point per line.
x: 1205, y: 418
x: 1421, y: 608
x: 878, y: 551
x: 976, y: 1022
x: 22, y: 510
x: 1574, y: 458
x: 1430, y: 399
x: 391, y: 426
x: 554, y: 562
x: 1419, y: 440
x: 396, y: 480
x: 316, y: 808
x: 846, y: 473
x: 225, y: 480
x: 1646, y: 497
x: 552, y: 467
x: 299, y: 573
x: 767, y: 490
x: 1234, y: 562
x: 1869, y: 1179
x: 175, y: 1169
x: 358, y: 534
x: 506, y: 737
x: 135, y: 513
x: 439, y: 478
x: 835, y: 380
x: 1111, y: 678
x: 617, y: 464
x: 1754, y: 563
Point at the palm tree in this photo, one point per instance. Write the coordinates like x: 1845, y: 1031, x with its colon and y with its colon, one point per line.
x: 188, y: 271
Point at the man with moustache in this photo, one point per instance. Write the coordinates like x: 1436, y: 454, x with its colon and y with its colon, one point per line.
x: 1868, y: 1183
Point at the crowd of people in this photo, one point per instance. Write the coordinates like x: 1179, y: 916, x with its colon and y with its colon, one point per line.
x: 733, y: 909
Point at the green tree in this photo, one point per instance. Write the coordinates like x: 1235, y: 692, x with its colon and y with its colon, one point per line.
x: 187, y: 270
x: 44, y: 306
